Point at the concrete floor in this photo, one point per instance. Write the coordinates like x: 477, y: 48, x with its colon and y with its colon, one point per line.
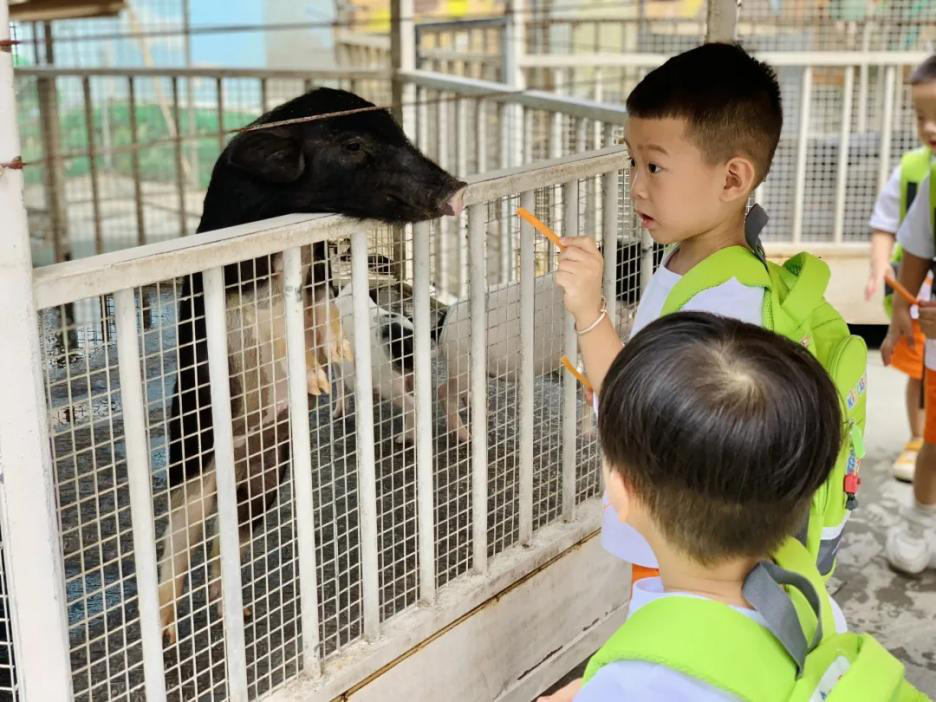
x: 900, y: 611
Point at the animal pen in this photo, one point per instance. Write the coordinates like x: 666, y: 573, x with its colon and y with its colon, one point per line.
x: 386, y: 568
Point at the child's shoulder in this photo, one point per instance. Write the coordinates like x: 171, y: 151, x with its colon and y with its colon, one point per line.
x: 641, y: 681
x: 730, y: 299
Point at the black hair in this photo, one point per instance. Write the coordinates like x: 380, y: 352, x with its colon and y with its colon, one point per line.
x: 724, y: 430
x: 925, y: 72
x: 730, y: 100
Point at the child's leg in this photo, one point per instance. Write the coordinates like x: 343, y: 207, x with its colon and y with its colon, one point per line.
x: 910, y: 362
x: 911, y: 545
x: 915, y: 415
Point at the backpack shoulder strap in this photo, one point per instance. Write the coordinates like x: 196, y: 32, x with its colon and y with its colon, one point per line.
x: 706, y: 640
x: 914, y: 165
x: 801, y: 283
x: 873, y: 674
x: 723, y: 265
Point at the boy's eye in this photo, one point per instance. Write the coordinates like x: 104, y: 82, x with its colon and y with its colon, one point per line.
x: 633, y: 163
x: 653, y: 168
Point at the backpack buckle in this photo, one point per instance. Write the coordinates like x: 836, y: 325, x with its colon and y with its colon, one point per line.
x: 852, y: 482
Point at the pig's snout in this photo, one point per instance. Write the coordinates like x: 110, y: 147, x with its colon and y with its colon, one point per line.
x: 454, y: 205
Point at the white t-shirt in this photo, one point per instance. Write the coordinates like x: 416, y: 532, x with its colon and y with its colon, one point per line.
x: 886, y: 214
x: 916, y: 236
x: 731, y: 299
x: 641, y: 681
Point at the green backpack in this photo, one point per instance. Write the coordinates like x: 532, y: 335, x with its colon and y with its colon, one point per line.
x: 914, y: 167
x: 798, y: 657
x: 795, y: 307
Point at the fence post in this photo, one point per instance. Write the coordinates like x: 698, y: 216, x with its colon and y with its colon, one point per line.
x: 54, y: 171
x: 28, y: 516
x: 721, y: 20
x: 403, y: 58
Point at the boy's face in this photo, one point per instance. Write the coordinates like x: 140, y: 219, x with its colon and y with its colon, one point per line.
x: 923, y: 97
x: 676, y: 193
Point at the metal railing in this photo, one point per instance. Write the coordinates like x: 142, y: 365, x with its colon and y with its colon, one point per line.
x: 122, y: 157
x: 363, y: 533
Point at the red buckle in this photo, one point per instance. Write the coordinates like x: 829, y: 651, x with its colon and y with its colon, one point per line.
x: 852, y: 483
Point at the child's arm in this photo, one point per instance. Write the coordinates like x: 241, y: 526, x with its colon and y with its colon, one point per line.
x: 882, y: 246
x: 566, y: 694
x: 913, y: 270
x: 579, y: 275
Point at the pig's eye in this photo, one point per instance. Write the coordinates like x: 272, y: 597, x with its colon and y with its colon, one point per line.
x: 352, y: 146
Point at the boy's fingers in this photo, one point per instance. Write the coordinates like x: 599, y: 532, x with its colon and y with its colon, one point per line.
x: 580, y: 242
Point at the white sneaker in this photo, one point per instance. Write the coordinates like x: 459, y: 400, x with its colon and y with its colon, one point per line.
x: 911, y: 545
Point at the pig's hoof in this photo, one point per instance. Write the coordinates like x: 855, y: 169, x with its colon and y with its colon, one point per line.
x: 317, y: 382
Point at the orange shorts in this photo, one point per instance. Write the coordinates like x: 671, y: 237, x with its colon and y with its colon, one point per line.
x: 929, y: 399
x: 907, y: 360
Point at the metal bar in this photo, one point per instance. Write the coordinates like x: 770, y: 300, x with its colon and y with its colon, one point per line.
x: 264, y: 95
x: 402, y: 50
x: 422, y: 362
x: 887, y: 127
x: 209, y: 72
x: 138, y: 266
x: 92, y: 164
x: 802, y: 146
x: 569, y: 400
x: 227, y: 526
x: 135, y: 165
x: 219, y: 90
x: 481, y: 107
x: 301, y: 452
x: 179, y: 167
x: 841, y: 181
x: 609, y: 229
x: 721, y: 20
x: 444, y: 242
x: 28, y: 514
x: 47, y: 94
x: 364, y: 416
x: 141, y: 494
x: 646, y: 260
x: 479, y: 425
x: 527, y: 371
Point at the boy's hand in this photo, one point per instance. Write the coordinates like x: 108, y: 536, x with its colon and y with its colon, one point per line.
x: 927, y: 318
x: 579, y: 275
x: 901, y: 326
x: 566, y: 694
x: 875, y: 280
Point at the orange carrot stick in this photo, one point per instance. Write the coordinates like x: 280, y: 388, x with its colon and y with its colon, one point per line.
x: 524, y: 213
x: 901, y: 290
x: 577, y: 374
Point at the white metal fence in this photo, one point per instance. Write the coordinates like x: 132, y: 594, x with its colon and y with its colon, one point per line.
x: 363, y: 530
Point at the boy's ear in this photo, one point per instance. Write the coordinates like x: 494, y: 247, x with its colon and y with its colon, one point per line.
x: 620, y: 496
x: 740, y: 178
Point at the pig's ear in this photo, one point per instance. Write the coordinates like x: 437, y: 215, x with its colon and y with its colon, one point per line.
x: 267, y: 154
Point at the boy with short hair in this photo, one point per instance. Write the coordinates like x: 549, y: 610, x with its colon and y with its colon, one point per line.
x: 890, y: 209
x: 911, y: 546
x: 692, y: 411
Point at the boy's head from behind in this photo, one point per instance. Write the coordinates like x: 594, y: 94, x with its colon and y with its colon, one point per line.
x: 702, y: 131
x: 923, y: 96
x: 716, y: 434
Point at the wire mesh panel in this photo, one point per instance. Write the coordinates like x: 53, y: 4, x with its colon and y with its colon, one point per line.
x: 87, y: 431
x: 9, y: 688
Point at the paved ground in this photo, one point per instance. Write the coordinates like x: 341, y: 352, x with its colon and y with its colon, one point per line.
x: 899, y: 610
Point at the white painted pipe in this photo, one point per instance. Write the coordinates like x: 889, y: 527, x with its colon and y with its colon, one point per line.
x: 141, y: 492
x: 301, y: 454
x: 478, y: 363
x: 227, y: 526
x: 364, y: 416
x: 526, y: 387
x: 422, y: 362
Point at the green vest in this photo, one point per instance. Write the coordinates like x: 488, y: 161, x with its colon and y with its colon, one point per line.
x: 798, y: 657
x: 914, y: 167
